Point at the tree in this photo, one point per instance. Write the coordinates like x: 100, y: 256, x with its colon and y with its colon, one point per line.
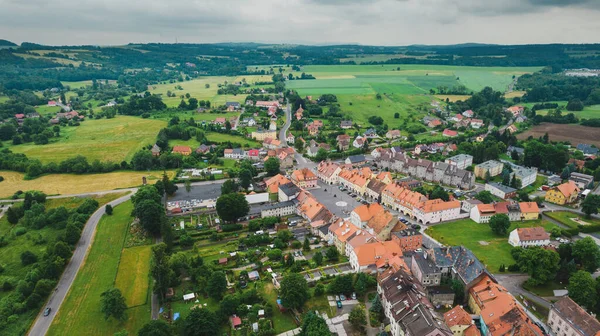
x: 230, y: 207
x: 12, y: 216
x: 28, y: 258
x: 217, y: 285
x: 299, y: 145
x: 113, y: 304
x: 245, y: 178
x: 155, y: 328
x: 201, y: 322
x: 314, y: 325
x: 376, y: 308
x: 587, y: 254
x: 294, y: 291
x: 332, y: 253
x: 160, y: 270
x: 72, y: 233
x: 188, y: 185
x: 170, y: 187
x: 582, y: 289
x: 539, y: 263
x: 499, y: 223
x: 439, y: 192
x: 150, y: 214
x: 590, y: 205
x: 487, y: 176
x: 319, y: 289
x: 575, y: 105
x: 514, y: 155
x: 306, y: 245
x: 108, y: 209
x: 318, y: 258
x: 321, y: 155
x: 272, y: 166
x: 485, y: 197
x: 228, y: 187
x: 358, y: 318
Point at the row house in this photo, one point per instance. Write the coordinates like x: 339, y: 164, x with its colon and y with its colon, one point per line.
x: 482, y: 213
x: 235, y: 153
x: 401, y: 199
x: 311, y: 209
x: 304, y: 178
x: 460, y: 322
x: 355, y: 180
x: 568, y: 318
x: 279, y: 209
x: 328, y: 172
x: 374, y: 190
x: 437, y: 210
x: 373, y: 257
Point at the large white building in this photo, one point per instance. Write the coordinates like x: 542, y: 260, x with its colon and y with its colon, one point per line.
x: 568, y: 318
x: 461, y: 161
x: 527, y: 237
x: 526, y: 175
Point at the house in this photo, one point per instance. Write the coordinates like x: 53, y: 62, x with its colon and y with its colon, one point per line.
x: 361, y: 237
x: 236, y: 322
x: 440, y: 296
x: 458, y: 117
x: 288, y: 192
x: 183, y: 150
x: 155, y: 150
x: 481, y: 213
x: 498, y: 311
x: 568, y: 318
x: 342, y: 231
x: 371, y: 257
x: 249, y: 122
x: 370, y: 133
x: 234, y: 105
x: 562, y: 194
x: 286, y: 160
x: 425, y: 270
x: 525, y: 175
x: 261, y: 135
x: 393, y: 134
x: 437, y: 210
x: 520, y: 151
x: 512, y: 129
x: 274, y: 182
x: 458, y: 320
x: 359, y: 142
x: 236, y: 153
x: 304, y: 178
x: 554, y: 180
x: 375, y: 153
x: 406, y: 306
x: 468, y: 114
x: 374, y: 189
x: 461, y: 161
x: 491, y: 167
x: 343, y: 142
x: 500, y: 190
x: 220, y: 121
x: 383, y: 223
x: 267, y: 104
x: 515, y: 110
x: 467, y: 205
x: 527, y: 237
x: 582, y: 181
x: 408, y: 239
x: 587, y: 149
x: 579, y: 164
x: 476, y: 123
x: 328, y: 172
x: 253, y: 275
x: 346, y: 124
x: 253, y: 154
x: 450, y: 133
x: 223, y: 261
x: 529, y: 210
x: 355, y: 180
x: 356, y: 160
x: 279, y: 209
x: 290, y: 139
x: 51, y: 103
x: 313, y: 130
x: 273, y: 125
x: 434, y: 123
x: 203, y: 149
x: 299, y: 113
x: 361, y: 215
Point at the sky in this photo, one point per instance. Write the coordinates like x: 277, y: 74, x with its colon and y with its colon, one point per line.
x: 368, y: 22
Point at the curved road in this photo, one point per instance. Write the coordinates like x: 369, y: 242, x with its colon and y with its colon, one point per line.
x: 42, y: 323
x: 286, y: 126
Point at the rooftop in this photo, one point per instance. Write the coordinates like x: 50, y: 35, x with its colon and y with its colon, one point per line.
x: 502, y: 187
x: 577, y: 316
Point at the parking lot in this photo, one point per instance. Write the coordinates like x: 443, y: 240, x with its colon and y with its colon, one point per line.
x: 330, y: 195
x: 199, y: 192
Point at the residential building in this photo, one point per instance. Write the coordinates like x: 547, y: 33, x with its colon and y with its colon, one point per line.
x: 516, y: 110
x: 312, y: 151
x: 374, y: 189
x: 362, y: 214
x: 520, y: 151
x: 458, y: 320
x: 500, y: 190
x: 356, y: 179
x: 562, y: 194
x: 310, y: 209
x: 261, y: 134
x: 343, y: 142
x: 459, y: 263
x: 456, y: 118
x: 234, y: 105
x: 434, y: 123
x: 554, y: 180
x: 360, y: 238
x: 582, y: 181
x: 408, y: 239
x: 468, y: 114
x: 450, y: 133
x: 346, y: 124
x: 393, y: 134
x: 529, y: 210
x: 424, y: 270
x: 288, y: 192
x: 568, y: 318
x: 356, y: 160
x: 359, y: 142
x: 253, y: 154
x: 183, y: 150
x: 499, y: 311
x: 313, y: 130
x: 274, y: 182
x: 290, y: 139
x: 476, y: 123
x: 155, y: 150
x: 527, y: 237
x: 437, y: 210
x: 304, y: 178
x: 461, y: 161
x: 328, y: 172
x: 203, y: 149
x: 278, y: 209
x: 587, y: 149
x: 299, y: 113
x: 579, y: 164
x: 526, y: 175
x: 370, y: 133
x: 406, y: 306
x: 342, y: 232
x: 267, y: 104
x: 512, y: 129
x: 372, y: 257
x: 382, y: 224
x: 286, y: 160
x: 492, y: 167
x: 467, y: 205
x: 235, y: 153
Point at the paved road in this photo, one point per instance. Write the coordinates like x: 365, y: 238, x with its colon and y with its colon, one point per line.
x: 286, y: 126
x: 41, y: 325
x: 512, y: 282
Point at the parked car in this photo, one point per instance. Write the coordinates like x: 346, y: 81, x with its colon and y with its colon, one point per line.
x: 353, y: 296
x: 342, y: 297
x: 337, y: 298
x: 339, y: 303
x: 47, y: 311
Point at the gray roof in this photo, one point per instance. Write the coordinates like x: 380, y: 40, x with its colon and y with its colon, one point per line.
x: 425, y: 265
x: 521, y: 171
x: 238, y: 151
x: 460, y: 157
x: 577, y: 316
x: 290, y: 189
x: 356, y: 158
x: 515, y: 149
x: 462, y: 261
x: 587, y: 149
x: 376, y: 186
x: 325, y: 229
x: 489, y: 164
x: 232, y: 104
x: 346, y: 123
x: 277, y: 205
x: 502, y: 187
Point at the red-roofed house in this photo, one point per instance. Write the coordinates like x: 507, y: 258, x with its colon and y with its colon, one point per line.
x: 183, y: 150
x: 450, y: 133
x: 236, y: 321
x: 526, y: 237
x: 304, y: 178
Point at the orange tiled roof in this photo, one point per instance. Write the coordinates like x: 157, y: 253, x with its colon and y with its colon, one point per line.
x: 457, y: 316
x: 362, y: 237
x: 327, y: 168
x: 303, y: 174
x: 378, y: 253
x: 568, y: 188
x: 274, y: 182
x: 367, y: 211
x: 344, y: 230
x: 181, y: 149
x: 380, y: 221
x: 471, y: 331
x: 529, y: 207
x: 486, y: 208
x: 438, y: 205
x: 533, y: 233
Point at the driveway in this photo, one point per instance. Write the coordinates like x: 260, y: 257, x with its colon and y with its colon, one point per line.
x: 513, y: 282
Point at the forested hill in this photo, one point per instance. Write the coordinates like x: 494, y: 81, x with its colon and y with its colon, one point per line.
x: 6, y: 43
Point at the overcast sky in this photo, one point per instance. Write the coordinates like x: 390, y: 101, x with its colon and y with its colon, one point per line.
x: 371, y: 22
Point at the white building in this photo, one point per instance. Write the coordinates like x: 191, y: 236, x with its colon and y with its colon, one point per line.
x: 278, y: 209
x: 568, y: 318
x: 435, y: 211
x: 526, y: 237
x: 461, y: 161
x: 500, y: 190
x: 526, y: 175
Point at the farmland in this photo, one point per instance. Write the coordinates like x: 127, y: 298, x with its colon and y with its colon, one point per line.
x: 80, y: 313
x: 132, y: 276
x: 115, y: 140
x: 575, y: 134
x: 60, y: 184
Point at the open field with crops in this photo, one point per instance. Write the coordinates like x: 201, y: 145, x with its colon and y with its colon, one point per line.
x: 132, y: 276
x: 80, y: 313
x: 115, y: 140
x: 64, y: 184
x: 575, y: 134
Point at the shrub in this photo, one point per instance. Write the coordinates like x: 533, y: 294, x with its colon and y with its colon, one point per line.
x: 513, y: 268
x: 19, y: 231
x: 28, y: 258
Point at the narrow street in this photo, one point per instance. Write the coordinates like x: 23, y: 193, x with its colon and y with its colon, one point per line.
x: 286, y: 126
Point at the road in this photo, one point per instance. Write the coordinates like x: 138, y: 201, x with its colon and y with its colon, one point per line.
x: 41, y: 324
x: 286, y: 126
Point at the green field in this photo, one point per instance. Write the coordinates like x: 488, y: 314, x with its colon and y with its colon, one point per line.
x: 80, y: 313
x: 569, y: 218
x: 115, y: 140
x: 364, y: 106
x: 469, y: 234
x: 132, y: 276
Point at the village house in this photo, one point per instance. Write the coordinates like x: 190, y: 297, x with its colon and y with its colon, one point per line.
x: 370, y: 134
x: 377, y: 152
x: 372, y: 257
x: 233, y: 105
x: 266, y: 104
x: 568, y: 318
x: 183, y: 150
x: 250, y: 122
x: 253, y: 154
x: 562, y: 194
x: 304, y: 178
x: 500, y: 190
x: 516, y: 110
x: 311, y: 210
x: 491, y: 167
x: 346, y: 124
x: 408, y: 239
x: 274, y: 182
x: 382, y: 225
x: 290, y: 139
x: 360, y: 238
x: 461, y: 161
x: 235, y: 153
x: 476, y: 123
x: 312, y: 151
x: 356, y: 160
x: 343, y: 142
x: 587, y: 149
x: 512, y: 129
x: 529, y: 210
x: 299, y: 113
x: 527, y: 237
x: 374, y: 189
x: 261, y: 135
x: 328, y: 172
x: 450, y: 133
x: 359, y: 142
x: 425, y: 270
x: 468, y: 113
x: 510, y: 149
x: 437, y: 210
x: 279, y: 209
x: 155, y: 150
x: 288, y: 192
x: 393, y: 134
x: 434, y: 123
x: 456, y: 118
x: 355, y: 180
x: 313, y: 130
x: 286, y: 160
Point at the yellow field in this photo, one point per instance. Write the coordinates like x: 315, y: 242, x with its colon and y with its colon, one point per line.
x: 514, y: 94
x: 64, y: 184
x: 452, y: 98
x: 54, y: 59
x: 132, y: 276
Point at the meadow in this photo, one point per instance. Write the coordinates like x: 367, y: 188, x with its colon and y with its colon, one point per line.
x: 132, y: 276
x: 470, y: 234
x: 115, y: 140
x: 64, y: 184
x: 80, y: 313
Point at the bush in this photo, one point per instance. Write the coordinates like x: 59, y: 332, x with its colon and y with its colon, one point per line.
x: 502, y: 268
x: 513, y: 268
x: 19, y: 231
x: 109, y: 209
x: 589, y: 228
x: 231, y: 227
x: 28, y: 258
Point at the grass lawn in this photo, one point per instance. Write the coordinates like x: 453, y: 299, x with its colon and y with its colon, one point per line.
x: 80, y: 313
x: 282, y: 321
x: 544, y: 290
x: 540, y: 180
x: 57, y: 184
x: 468, y: 233
x: 115, y: 140
x: 132, y: 276
x: 568, y: 218
x: 452, y: 98
x: 45, y: 109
